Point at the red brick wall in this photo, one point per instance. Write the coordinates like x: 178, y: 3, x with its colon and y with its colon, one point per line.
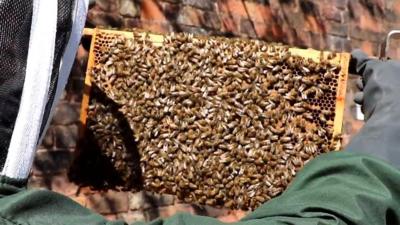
x: 322, y: 24
x: 339, y: 25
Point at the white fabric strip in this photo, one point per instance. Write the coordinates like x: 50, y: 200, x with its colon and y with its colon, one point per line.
x: 78, y: 23
x: 35, y: 91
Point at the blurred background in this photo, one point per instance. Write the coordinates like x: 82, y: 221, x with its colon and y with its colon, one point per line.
x: 335, y: 25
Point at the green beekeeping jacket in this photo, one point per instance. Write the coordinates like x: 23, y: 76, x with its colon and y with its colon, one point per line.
x: 335, y: 188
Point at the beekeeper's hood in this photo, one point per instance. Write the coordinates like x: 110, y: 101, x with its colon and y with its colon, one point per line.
x: 38, y: 42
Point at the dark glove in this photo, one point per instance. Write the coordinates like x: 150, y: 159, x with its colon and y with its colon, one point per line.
x: 380, y: 101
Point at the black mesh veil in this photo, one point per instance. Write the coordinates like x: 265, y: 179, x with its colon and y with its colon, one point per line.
x: 15, y: 26
x: 38, y: 42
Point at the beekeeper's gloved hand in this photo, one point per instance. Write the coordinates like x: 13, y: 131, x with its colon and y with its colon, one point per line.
x: 380, y: 100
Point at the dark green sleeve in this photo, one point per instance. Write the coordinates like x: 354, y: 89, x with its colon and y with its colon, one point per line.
x: 336, y: 188
x: 19, y: 206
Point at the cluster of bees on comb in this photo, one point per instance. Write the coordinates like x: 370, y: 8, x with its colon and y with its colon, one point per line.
x: 217, y: 121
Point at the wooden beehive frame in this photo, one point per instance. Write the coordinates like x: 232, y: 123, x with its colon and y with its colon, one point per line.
x: 341, y: 59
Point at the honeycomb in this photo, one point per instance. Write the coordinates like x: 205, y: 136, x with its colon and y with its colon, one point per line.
x: 216, y: 121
